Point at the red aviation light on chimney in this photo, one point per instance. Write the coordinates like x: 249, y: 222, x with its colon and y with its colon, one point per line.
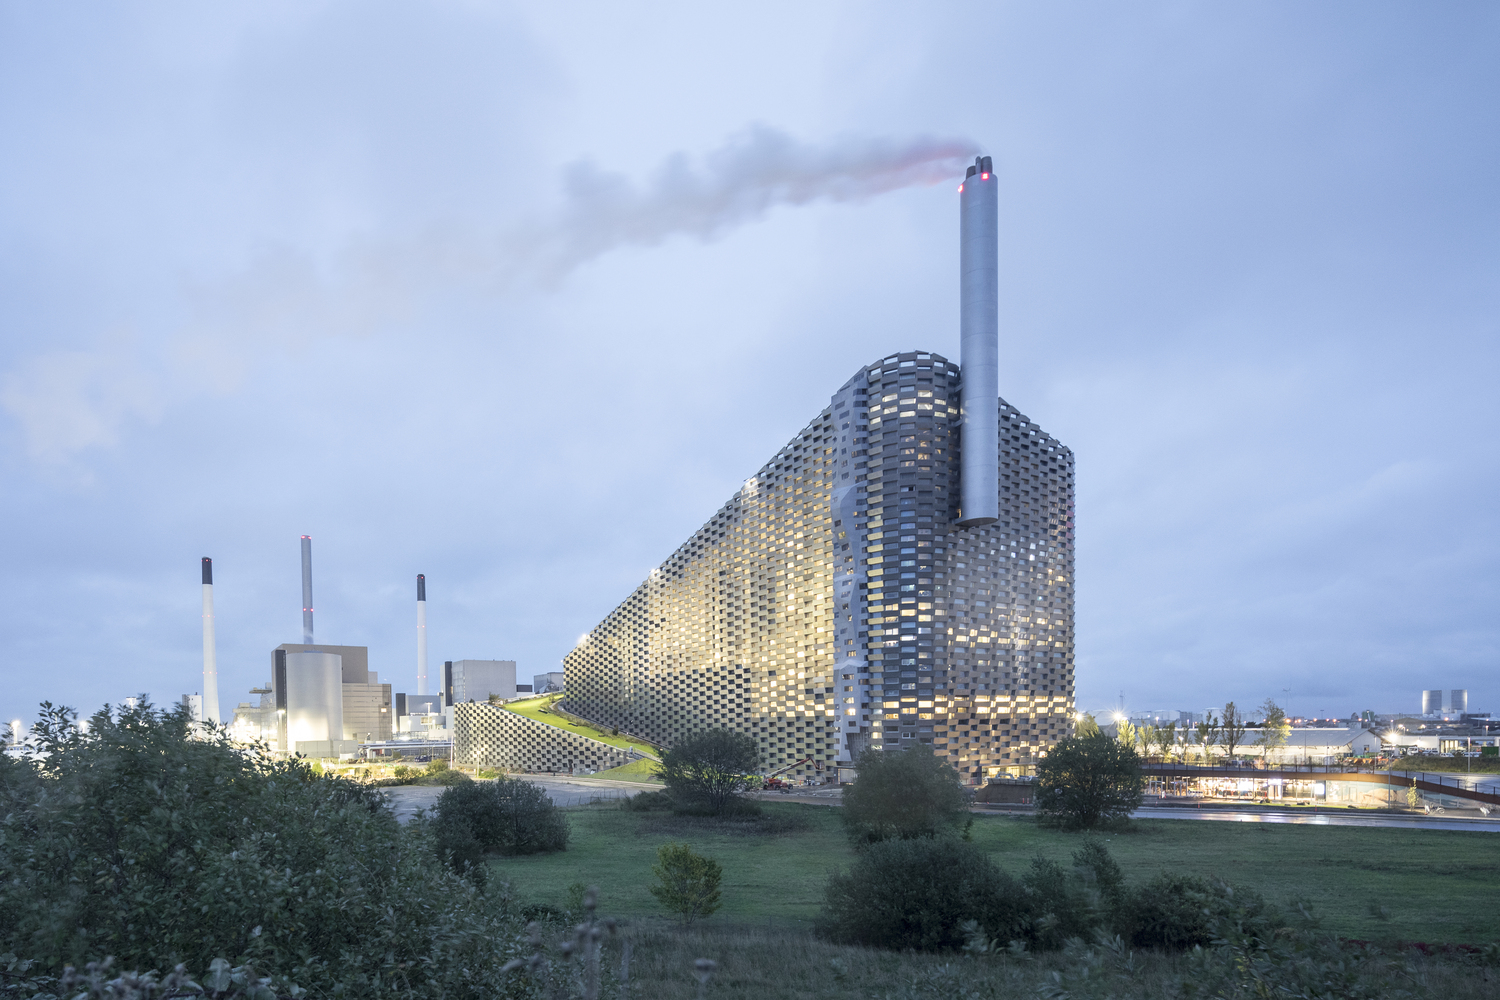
x: 984, y: 177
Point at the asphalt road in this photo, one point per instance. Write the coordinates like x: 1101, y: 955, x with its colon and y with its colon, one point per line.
x: 406, y: 800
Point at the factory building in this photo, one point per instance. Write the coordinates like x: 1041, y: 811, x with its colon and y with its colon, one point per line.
x: 900, y: 573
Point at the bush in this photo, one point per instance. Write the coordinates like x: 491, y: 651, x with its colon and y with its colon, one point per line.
x: 1177, y: 912
x: 1089, y: 782
x: 918, y: 893
x: 504, y: 816
x: 903, y: 794
x: 648, y: 802
x: 154, y: 842
x: 687, y: 883
x: 709, y: 771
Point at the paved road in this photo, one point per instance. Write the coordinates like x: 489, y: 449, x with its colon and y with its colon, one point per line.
x: 406, y: 800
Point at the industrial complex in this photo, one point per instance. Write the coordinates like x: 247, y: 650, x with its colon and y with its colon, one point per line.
x: 900, y: 572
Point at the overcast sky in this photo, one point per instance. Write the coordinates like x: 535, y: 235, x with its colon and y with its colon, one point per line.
x: 517, y: 296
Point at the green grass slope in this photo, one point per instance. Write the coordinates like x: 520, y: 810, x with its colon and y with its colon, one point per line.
x: 540, y: 709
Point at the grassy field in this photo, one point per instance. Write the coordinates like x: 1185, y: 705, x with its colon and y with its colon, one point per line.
x: 636, y: 770
x: 540, y: 709
x: 1474, y: 765
x: 1435, y: 886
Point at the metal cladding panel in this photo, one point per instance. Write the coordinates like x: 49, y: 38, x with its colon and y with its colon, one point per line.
x: 979, y: 342
x: 476, y: 680
x: 314, y: 697
x: 208, y: 570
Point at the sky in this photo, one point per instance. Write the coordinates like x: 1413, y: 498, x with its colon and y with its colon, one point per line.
x: 516, y: 296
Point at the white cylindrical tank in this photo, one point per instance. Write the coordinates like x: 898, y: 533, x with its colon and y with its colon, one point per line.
x: 314, y: 698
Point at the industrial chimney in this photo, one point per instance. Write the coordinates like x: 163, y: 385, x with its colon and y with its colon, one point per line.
x: 979, y: 345
x: 210, y: 654
x: 421, y: 634
x: 307, y: 605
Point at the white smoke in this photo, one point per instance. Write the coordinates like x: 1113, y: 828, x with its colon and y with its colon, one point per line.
x: 66, y: 402
x: 737, y: 184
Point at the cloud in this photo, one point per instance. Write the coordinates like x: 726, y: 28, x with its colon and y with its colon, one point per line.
x: 72, y: 400
x: 67, y: 402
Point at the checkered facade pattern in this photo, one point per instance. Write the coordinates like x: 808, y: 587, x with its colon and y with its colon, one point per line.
x: 486, y: 735
x: 834, y: 604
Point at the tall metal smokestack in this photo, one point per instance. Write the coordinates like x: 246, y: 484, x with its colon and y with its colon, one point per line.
x: 979, y: 345
x: 421, y: 634
x: 210, y: 653
x: 307, y: 607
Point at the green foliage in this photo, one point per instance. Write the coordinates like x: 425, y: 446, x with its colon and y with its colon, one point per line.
x: 1275, y: 729
x: 1178, y: 912
x: 709, y: 771
x: 918, y: 893
x: 1232, y: 729
x: 648, y: 802
x: 1087, y: 725
x: 504, y: 816
x: 1085, y: 784
x: 903, y: 794
x: 687, y: 883
x: 147, y: 839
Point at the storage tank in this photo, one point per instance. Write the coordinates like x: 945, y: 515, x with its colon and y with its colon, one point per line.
x: 1432, y: 702
x: 314, y: 698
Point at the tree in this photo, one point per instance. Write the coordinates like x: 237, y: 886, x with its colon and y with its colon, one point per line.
x: 1166, y: 738
x: 1126, y: 733
x: 1208, y: 735
x: 1087, y: 725
x: 1148, y: 735
x: 1232, y: 729
x: 1090, y: 782
x: 903, y: 794
x: 504, y: 816
x: 1275, y: 730
x: 151, y: 838
x: 687, y: 883
x: 709, y: 770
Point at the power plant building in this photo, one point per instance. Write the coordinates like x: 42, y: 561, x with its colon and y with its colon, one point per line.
x: 900, y: 573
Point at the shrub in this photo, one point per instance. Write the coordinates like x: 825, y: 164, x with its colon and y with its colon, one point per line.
x: 709, y: 771
x: 156, y: 843
x: 648, y: 802
x: 1088, y: 783
x: 1178, y: 912
x: 903, y: 794
x: 687, y: 883
x: 918, y: 893
x: 504, y: 816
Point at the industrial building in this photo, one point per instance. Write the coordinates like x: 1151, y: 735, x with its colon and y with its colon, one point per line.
x: 900, y: 572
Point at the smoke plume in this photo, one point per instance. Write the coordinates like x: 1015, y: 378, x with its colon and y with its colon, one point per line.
x: 66, y: 402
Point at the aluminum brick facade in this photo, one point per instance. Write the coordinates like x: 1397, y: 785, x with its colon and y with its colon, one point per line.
x: 486, y: 735
x: 833, y: 604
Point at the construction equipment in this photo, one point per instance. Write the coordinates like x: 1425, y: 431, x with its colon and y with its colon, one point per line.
x: 774, y: 783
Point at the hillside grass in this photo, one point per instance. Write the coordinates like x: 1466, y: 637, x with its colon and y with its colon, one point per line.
x: 540, y: 709
x: 1435, y: 885
x: 636, y: 770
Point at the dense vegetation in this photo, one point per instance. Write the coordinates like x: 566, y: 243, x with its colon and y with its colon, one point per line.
x: 1088, y: 783
x: 709, y: 772
x: 505, y: 816
x: 134, y: 838
x: 914, y: 793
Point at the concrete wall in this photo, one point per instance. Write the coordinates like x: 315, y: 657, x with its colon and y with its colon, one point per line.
x: 487, y: 735
x: 476, y: 680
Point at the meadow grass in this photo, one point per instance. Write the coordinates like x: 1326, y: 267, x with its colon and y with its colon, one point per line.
x: 1433, y: 885
x: 540, y: 709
